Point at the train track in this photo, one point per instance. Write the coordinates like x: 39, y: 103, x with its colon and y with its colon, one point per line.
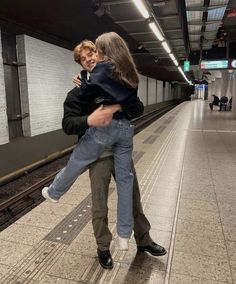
x: 27, y: 197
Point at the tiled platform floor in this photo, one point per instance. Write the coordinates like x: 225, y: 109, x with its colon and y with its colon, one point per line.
x: 186, y: 165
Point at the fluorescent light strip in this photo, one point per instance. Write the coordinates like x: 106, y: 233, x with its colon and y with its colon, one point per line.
x: 176, y: 62
x: 172, y: 56
x: 182, y: 72
x: 142, y: 9
x: 173, y: 59
x: 166, y: 47
x: 156, y: 31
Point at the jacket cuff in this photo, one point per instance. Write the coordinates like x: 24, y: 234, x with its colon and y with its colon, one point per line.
x: 84, y: 121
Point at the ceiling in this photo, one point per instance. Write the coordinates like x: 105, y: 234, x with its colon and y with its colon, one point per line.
x: 204, y: 19
x: 201, y: 31
x: 211, y: 30
x: 150, y: 53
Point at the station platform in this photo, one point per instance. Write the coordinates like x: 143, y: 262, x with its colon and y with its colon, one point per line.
x: 186, y: 166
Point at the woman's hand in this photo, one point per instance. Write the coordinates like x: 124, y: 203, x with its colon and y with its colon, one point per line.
x: 76, y: 80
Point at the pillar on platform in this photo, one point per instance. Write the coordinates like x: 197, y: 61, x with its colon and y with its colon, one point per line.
x: 209, y: 91
x: 233, y: 78
x: 213, y: 88
x: 224, y: 82
x: 218, y: 83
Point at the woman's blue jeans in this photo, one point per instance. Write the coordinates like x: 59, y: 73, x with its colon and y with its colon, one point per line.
x: 118, y: 135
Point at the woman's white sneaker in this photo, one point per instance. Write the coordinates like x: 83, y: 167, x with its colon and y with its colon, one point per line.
x: 123, y: 243
x: 46, y: 195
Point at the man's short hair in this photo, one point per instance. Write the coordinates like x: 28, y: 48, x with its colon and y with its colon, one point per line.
x: 83, y: 45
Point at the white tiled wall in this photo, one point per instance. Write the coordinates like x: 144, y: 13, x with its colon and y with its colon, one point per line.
x: 159, y: 91
x: 4, y: 136
x: 168, y: 92
x: 151, y: 91
x: 142, y: 89
x: 44, y: 83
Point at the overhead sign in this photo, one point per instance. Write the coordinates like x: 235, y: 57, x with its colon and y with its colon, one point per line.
x: 218, y: 64
x: 231, y: 13
x: 232, y: 64
x: 201, y: 86
x: 186, y: 65
x: 214, y: 64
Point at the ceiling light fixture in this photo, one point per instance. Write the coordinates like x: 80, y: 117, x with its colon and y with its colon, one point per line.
x: 172, y: 56
x: 180, y: 69
x: 176, y: 62
x: 173, y: 59
x: 182, y: 72
x: 142, y: 9
x: 156, y: 31
x: 166, y: 47
x: 153, y: 24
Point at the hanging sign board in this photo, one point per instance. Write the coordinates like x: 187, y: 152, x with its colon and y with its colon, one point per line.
x: 201, y: 86
x: 214, y: 64
x: 186, y: 65
x: 232, y: 64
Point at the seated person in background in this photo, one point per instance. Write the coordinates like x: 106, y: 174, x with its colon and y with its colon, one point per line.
x: 230, y: 103
x: 223, y: 103
x: 215, y: 101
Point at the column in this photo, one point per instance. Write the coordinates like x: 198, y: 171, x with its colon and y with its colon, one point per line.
x: 218, y: 83
x: 209, y: 91
x: 234, y: 95
x: 213, y: 87
x: 224, y: 83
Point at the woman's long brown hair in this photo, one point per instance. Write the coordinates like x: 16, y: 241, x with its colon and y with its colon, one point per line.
x: 113, y: 48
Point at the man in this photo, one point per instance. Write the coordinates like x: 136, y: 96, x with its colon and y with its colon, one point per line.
x: 230, y: 103
x: 223, y: 103
x: 77, y: 118
x: 215, y: 101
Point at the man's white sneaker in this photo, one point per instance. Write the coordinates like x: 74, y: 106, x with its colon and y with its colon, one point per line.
x: 123, y: 243
x: 46, y: 195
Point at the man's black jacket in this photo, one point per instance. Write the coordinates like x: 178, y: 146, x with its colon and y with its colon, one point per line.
x: 77, y: 110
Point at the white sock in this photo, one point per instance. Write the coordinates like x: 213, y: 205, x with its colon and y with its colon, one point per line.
x: 123, y: 243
